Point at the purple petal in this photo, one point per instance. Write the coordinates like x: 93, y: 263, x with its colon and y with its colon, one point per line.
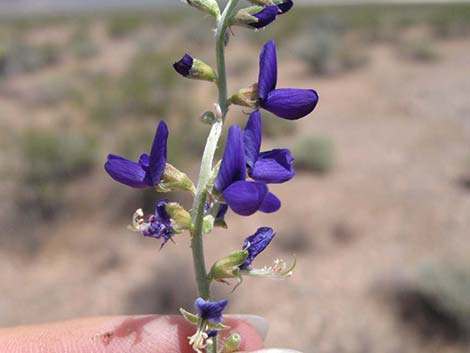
x: 270, y: 203
x: 127, y: 172
x: 273, y: 166
x: 233, y: 162
x: 285, y: 6
x: 267, y: 70
x: 265, y: 16
x: 158, y: 154
x: 245, y: 197
x: 184, y: 65
x: 161, y: 213
x: 291, y: 103
x: 144, y: 160
x: 211, y: 311
x: 256, y: 243
x: 252, y: 138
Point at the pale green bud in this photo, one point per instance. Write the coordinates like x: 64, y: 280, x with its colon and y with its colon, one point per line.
x: 233, y: 343
x: 208, y: 224
x: 174, y: 179
x: 208, y: 6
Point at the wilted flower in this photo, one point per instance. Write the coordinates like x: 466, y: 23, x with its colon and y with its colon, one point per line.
x: 210, y: 311
x: 256, y: 243
x: 148, y: 171
x: 273, y: 166
x: 287, y: 103
x: 243, y: 197
x: 157, y: 225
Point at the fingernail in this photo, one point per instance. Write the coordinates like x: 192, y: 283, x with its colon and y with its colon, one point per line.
x: 276, y: 350
x: 260, y: 324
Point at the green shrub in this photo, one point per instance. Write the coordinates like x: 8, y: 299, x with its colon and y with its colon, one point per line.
x: 50, y: 159
x: 82, y: 45
x: 419, y: 49
x: 28, y: 58
x: 121, y: 26
x: 314, y: 154
x: 327, y: 50
x: 436, y: 302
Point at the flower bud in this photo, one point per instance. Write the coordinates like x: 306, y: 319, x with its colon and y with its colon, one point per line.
x: 208, y: 117
x: 208, y: 6
x: 232, y: 344
x: 246, y: 97
x: 195, y: 69
x: 174, y: 179
x: 181, y: 219
x: 208, y: 224
x: 228, y: 266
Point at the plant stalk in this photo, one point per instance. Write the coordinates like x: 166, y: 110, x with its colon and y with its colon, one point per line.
x: 197, y: 213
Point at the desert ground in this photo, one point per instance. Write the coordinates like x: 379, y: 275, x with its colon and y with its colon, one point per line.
x: 378, y: 216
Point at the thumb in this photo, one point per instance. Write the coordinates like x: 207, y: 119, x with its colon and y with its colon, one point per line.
x: 119, y: 334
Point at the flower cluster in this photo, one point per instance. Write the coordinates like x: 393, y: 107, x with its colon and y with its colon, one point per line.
x: 238, y: 182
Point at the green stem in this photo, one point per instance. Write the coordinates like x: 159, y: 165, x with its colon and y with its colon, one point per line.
x: 200, y: 198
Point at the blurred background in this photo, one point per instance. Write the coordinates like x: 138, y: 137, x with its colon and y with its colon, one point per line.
x: 378, y: 216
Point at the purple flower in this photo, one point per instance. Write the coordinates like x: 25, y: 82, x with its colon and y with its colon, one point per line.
x: 157, y: 225
x: 210, y: 311
x: 184, y: 65
x: 273, y: 166
x: 256, y: 243
x: 243, y: 197
x: 265, y: 16
x: 287, y: 103
x: 148, y: 171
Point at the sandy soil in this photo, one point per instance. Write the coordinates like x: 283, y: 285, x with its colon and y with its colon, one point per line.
x: 392, y: 204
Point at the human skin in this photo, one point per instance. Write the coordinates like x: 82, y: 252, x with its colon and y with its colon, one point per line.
x: 118, y: 334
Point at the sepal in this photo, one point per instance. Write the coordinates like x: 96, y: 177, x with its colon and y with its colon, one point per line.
x: 180, y: 218
x: 208, y: 6
x: 194, y: 319
x: 195, y: 69
x: 174, y: 179
x: 228, y: 266
x: 246, y: 97
x: 245, y: 17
